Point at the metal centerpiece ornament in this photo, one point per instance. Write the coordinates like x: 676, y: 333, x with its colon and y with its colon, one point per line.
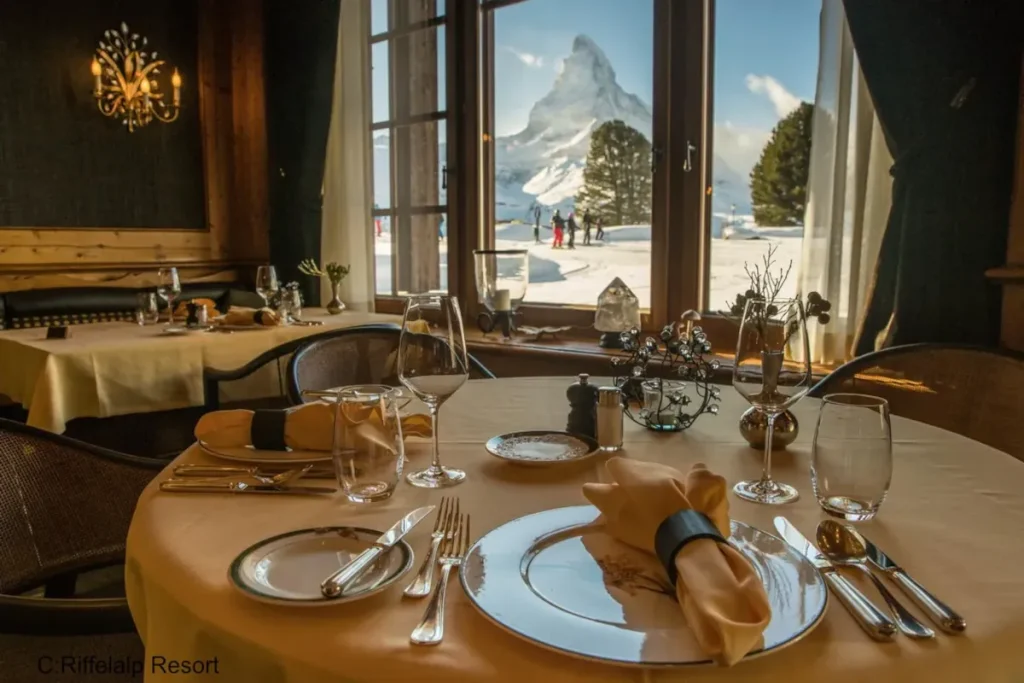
x: 502, y: 276
x: 665, y: 401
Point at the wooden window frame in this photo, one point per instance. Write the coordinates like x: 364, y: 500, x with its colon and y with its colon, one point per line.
x: 680, y: 222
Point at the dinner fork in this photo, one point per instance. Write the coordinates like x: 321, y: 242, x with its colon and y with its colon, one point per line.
x: 261, y: 473
x: 424, y: 581
x: 431, y: 629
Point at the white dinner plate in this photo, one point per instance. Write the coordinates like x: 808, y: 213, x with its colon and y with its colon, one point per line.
x: 557, y: 580
x: 255, y: 455
x: 541, y: 447
x: 288, y: 569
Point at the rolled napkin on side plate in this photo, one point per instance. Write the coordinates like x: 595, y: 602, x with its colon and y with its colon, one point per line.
x: 181, y: 310
x: 721, y: 595
x: 308, y: 427
x: 240, y: 315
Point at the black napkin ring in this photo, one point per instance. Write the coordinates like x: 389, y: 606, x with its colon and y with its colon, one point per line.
x: 676, y: 531
x: 267, y: 430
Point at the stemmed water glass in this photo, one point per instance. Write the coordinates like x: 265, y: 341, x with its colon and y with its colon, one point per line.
x: 168, y: 287
x: 432, y: 363
x: 266, y: 283
x: 772, y: 371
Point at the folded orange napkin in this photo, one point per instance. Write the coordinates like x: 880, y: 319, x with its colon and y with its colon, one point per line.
x: 308, y: 427
x: 722, y: 597
x: 240, y: 315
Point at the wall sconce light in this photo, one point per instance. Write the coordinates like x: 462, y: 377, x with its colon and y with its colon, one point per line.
x: 126, y: 84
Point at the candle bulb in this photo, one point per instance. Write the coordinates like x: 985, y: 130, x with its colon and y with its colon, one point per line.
x: 145, y: 92
x: 176, y: 82
x: 502, y: 300
x: 96, y: 71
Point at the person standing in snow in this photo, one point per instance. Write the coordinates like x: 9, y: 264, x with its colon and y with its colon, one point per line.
x: 559, y: 225
x: 572, y: 230
x: 600, y: 230
x: 587, y: 222
x: 536, y: 223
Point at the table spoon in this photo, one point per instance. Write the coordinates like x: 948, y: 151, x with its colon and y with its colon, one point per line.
x: 843, y: 548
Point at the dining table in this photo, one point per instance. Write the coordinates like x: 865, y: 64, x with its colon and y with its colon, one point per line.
x: 952, y: 518
x: 118, y: 368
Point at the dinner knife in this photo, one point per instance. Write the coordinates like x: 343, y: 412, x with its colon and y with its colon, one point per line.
x: 870, y: 618
x: 195, y: 470
x: 186, y: 486
x: 948, y: 620
x: 334, y: 584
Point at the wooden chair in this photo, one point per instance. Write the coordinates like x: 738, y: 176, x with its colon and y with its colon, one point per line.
x: 357, y: 355
x: 976, y: 392
x: 65, y: 507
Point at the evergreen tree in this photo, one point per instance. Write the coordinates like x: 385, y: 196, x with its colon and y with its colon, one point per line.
x: 617, y: 178
x: 778, y: 181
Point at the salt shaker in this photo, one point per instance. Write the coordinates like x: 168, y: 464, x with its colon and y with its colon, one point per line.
x: 609, y: 419
x: 582, y: 401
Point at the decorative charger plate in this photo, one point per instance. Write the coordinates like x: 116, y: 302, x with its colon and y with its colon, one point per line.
x: 288, y: 569
x: 557, y: 580
x: 255, y: 455
x: 539, y: 448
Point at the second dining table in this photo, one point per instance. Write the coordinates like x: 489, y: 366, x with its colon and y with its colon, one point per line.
x: 952, y: 518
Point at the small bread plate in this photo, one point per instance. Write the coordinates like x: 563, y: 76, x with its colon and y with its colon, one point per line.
x: 541, y: 448
x: 287, y: 569
x: 254, y: 455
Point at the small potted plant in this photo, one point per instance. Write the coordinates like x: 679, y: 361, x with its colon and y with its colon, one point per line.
x: 335, y: 273
x: 766, y: 286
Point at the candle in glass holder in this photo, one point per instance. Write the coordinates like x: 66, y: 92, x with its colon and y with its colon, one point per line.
x: 502, y: 300
x: 96, y: 71
x: 176, y: 83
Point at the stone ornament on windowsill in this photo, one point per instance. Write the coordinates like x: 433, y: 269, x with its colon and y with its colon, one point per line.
x: 618, y: 311
x: 335, y: 273
x: 766, y: 285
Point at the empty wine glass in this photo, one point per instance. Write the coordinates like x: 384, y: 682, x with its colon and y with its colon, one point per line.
x: 168, y: 287
x: 266, y: 283
x: 772, y: 371
x: 432, y: 363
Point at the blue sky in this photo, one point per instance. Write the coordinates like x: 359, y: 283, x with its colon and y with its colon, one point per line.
x: 766, y: 56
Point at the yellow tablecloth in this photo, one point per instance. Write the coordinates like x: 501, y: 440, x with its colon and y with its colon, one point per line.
x: 953, y: 518
x: 117, y: 368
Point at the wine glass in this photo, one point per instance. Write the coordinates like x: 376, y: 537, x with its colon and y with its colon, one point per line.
x: 168, y: 287
x: 432, y: 364
x: 772, y: 371
x: 266, y: 283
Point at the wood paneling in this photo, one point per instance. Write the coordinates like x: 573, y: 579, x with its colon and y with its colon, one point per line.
x: 231, y: 101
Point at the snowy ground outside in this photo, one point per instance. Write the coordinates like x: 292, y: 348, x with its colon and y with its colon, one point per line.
x: 577, y: 276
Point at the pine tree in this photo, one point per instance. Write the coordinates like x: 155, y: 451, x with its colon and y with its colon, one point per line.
x: 617, y: 178
x: 778, y: 181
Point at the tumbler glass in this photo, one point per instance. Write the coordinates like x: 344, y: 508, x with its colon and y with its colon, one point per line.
x: 146, y: 310
x: 851, y: 457
x: 367, y: 446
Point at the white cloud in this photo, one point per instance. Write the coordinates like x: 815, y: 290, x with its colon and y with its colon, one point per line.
x: 739, y: 147
x: 783, y: 100
x: 530, y: 60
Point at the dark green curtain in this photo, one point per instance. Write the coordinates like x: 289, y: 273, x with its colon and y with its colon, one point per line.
x: 944, y: 79
x: 300, y: 45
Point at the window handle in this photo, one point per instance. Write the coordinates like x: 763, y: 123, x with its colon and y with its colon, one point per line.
x: 688, y: 163
x: 444, y: 177
x: 655, y: 158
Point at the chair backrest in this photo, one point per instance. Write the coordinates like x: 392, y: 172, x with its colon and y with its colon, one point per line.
x: 973, y: 391
x: 357, y: 355
x: 65, y: 506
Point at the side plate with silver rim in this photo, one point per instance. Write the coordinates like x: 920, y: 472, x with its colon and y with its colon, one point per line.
x: 541, y: 447
x: 288, y: 569
x: 557, y: 580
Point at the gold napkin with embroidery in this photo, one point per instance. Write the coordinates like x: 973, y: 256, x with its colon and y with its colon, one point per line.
x: 721, y: 595
x: 308, y: 427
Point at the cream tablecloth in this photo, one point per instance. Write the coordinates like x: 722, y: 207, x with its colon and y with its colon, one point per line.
x: 117, y: 368
x: 953, y: 518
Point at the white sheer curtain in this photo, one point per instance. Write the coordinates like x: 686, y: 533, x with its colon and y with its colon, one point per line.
x: 348, y: 175
x: 849, y: 191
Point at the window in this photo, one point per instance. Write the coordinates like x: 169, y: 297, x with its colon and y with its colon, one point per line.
x: 409, y: 134
x: 571, y: 122
x: 765, y: 67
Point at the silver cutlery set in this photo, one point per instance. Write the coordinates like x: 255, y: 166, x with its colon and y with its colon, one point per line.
x: 840, y: 545
x: 192, y: 478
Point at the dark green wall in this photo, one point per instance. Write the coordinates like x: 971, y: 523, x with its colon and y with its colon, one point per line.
x: 62, y: 163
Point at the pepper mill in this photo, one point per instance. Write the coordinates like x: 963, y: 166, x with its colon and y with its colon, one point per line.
x: 582, y: 407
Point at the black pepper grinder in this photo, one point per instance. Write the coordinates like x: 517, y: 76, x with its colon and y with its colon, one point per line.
x: 582, y: 407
